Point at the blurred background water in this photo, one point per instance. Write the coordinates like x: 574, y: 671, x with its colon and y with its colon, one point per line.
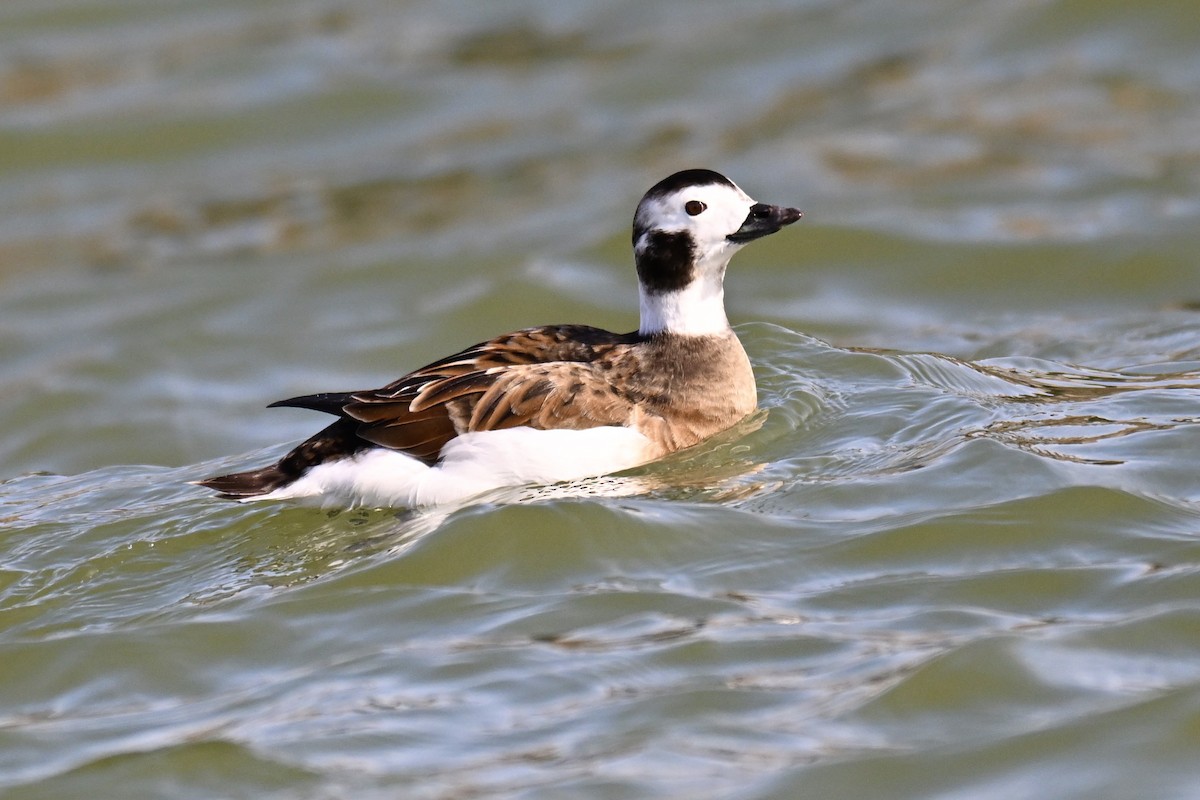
x: 957, y: 555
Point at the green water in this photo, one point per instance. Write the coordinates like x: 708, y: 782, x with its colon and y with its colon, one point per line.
x: 956, y: 555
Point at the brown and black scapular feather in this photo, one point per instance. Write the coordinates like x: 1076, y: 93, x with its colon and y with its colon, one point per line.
x: 500, y: 383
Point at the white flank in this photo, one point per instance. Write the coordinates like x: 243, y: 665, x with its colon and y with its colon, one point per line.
x: 471, y: 464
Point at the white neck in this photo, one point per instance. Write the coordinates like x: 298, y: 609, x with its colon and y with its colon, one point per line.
x: 698, y: 309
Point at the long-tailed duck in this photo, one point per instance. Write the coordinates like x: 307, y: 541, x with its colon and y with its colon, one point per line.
x: 555, y: 403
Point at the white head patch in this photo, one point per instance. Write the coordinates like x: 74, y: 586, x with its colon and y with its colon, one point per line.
x: 682, y: 248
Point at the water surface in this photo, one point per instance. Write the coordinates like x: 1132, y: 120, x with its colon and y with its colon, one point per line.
x: 955, y: 555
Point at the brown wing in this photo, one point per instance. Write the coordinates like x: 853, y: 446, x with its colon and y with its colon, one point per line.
x: 549, y: 377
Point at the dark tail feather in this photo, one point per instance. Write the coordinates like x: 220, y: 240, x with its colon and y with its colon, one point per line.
x: 252, y: 483
x: 328, y: 402
x: 336, y: 441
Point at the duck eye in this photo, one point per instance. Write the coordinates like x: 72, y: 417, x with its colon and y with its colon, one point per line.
x: 694, y: 207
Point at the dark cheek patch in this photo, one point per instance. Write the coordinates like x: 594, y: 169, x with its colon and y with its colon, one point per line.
x: 666, y: 265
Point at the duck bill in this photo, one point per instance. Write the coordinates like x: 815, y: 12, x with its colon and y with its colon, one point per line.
x: 764, y: 220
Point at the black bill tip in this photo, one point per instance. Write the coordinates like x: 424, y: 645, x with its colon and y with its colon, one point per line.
x: 764, y: 220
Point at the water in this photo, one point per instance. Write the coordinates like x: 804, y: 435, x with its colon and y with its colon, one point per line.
x: 956, y: 555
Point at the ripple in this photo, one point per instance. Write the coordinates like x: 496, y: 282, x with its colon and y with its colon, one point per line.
x: 954, y: 555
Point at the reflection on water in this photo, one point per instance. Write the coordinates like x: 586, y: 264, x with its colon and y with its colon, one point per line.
x: 954, y: 555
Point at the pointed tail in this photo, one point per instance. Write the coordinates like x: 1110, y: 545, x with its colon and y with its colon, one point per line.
x: 255, y: 482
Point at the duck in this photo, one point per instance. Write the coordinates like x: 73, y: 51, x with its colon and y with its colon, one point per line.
x: 553, y: 403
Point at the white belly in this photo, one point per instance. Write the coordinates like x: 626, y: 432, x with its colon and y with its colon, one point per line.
x: 471, y: 464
